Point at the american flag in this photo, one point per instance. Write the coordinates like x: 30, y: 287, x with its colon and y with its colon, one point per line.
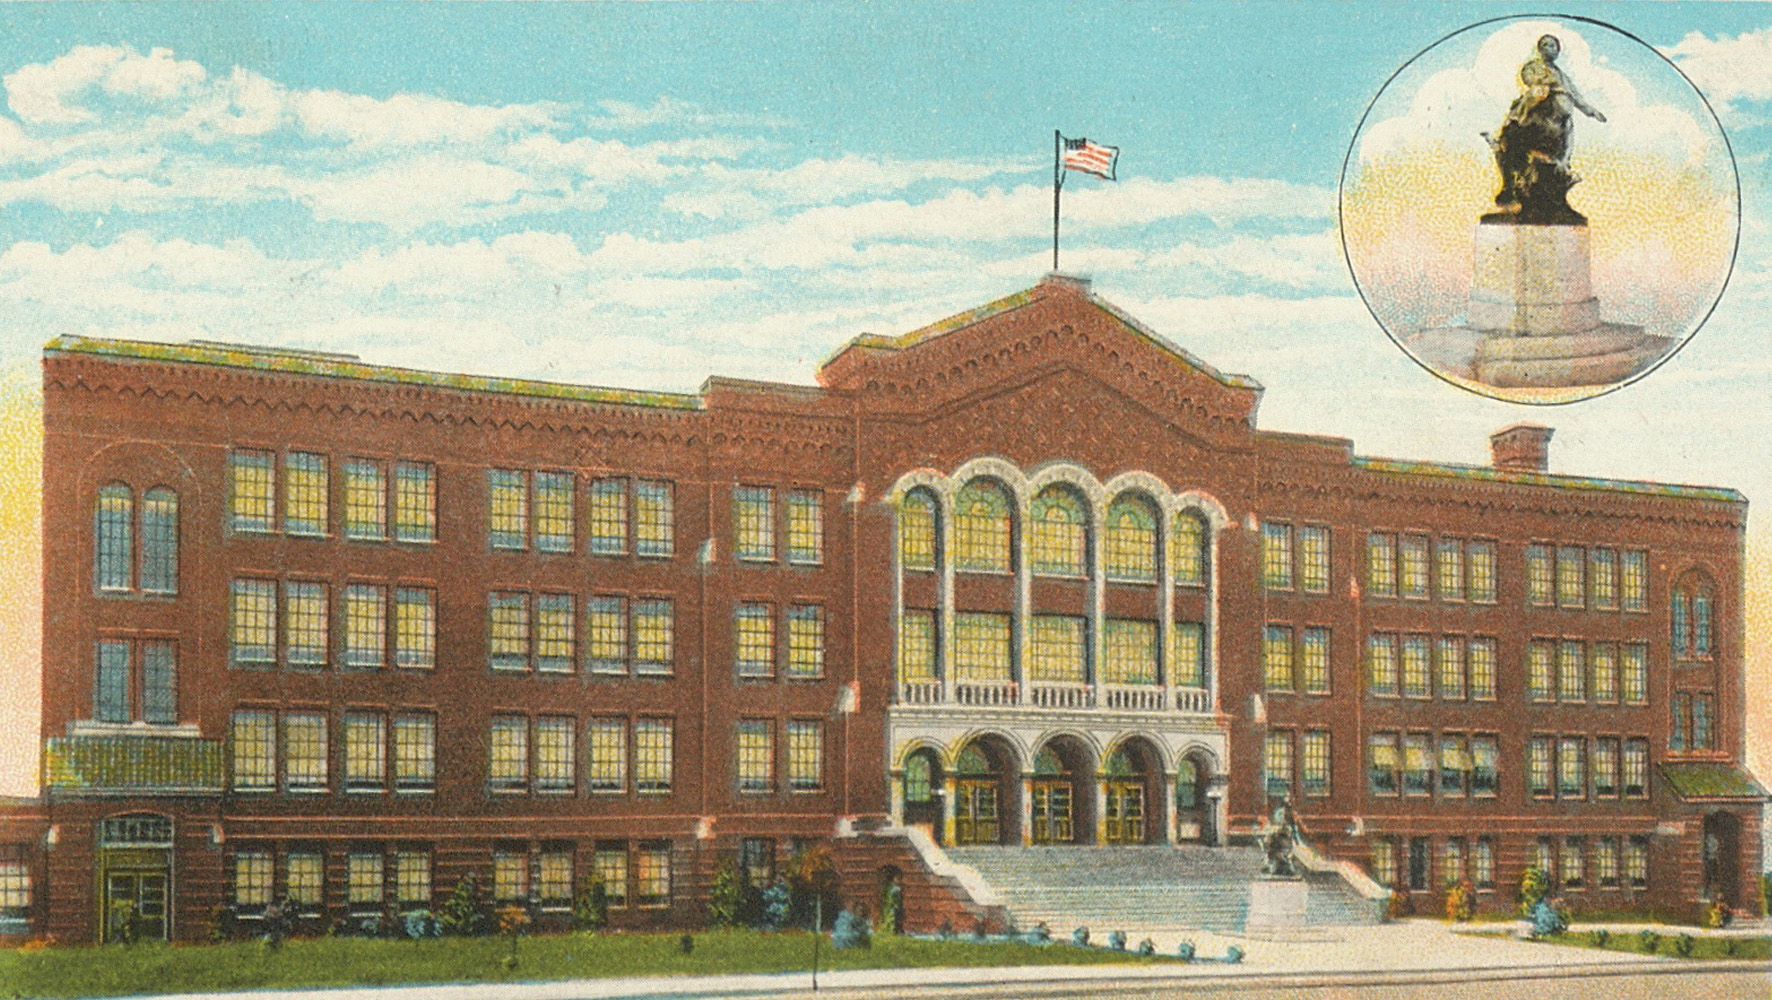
x: 1091, y: 157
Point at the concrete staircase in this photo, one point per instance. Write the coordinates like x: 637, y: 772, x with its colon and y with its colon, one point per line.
x: 1140, y: 888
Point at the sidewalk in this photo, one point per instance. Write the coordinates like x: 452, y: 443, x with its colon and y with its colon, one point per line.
x: 1404, y: 953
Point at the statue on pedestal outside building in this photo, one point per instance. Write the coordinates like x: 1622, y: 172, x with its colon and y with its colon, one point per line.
x: 1532, y: 146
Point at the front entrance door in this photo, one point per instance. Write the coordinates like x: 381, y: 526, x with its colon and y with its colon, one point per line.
x: 137, y: 897
x: 1722, y: 858
x: 1052, y: 817
x: 1125, y: 812
x: 975, y: 811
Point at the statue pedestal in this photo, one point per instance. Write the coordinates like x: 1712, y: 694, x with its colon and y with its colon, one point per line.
x: 1532, y: 320
x: 1276, y: 904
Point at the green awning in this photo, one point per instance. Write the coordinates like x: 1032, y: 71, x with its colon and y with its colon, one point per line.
x: 1712, y: 781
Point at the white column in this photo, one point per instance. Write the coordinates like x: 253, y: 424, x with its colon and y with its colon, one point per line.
x: 1169, y: 809
x: 1027, y: 808
x: 896, y: 778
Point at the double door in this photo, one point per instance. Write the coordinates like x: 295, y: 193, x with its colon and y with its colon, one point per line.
x: 138, y: 898
x: 976, y: 817
x: 1125, y: 812
x: 1052, y: 812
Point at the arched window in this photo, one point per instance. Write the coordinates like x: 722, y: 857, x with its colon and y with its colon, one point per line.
x: 981, y: 528
x: 1187, y: 550
x: 1058, y: 533
x: 972, y: 761
x: 1047, y: 764
x: 1692, y: 611
x: 916, y: 530
x: 159, y: 534
x: 1121, y: 764
x: 1129, y: 540
x: 917, y: 778
x: 113, y: 536
x: 1187, y: 785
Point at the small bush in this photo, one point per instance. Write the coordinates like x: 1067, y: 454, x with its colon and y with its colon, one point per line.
x: 1461, y: 901
x: 1729, y: 946
x: 726, y: 896
x: 512, y: 920
x: 1147, y: 948
x: 590, y: 908
x: 1185, y: 951
x: 1038, y: 934
x: 1233, y: 954
x: 1683, y: 946
x: 1600, y: 936
x: 778, y: 901
x: 1648, y: 940
x: 1718, y: 915
x: 466, y: 913
x: 421, y: 924
x: 850, y: 931
x: 946, y: 930
x: 1117, y: 940
x: 686, y: 944
x: 1534, y: 885
x: 1080, y: 937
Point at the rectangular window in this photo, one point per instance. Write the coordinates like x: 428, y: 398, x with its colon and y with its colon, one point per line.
x: 609, y: 516
x: 363, y: 880
x: 1636, y: 862
x: 753, y: 522
x: 507, y: 630
x: 556, y: 755
x: 652, y: 756
x: 1602, y: 578
x: 556, y: 640
x: 916, y: 647
x: 252, y: 880
x: 1571, y: 671
x: 1455, y: 766
x: 254, y: 738
x: 1603, y: 659
x: 1419, y: 861
x: 654, y: 637
x: 1543, y: 857
x: 805, y: 527
x: 1541, y: 665
x: 366, y: 752
x: 1605, y: 767
x: 1449, y: 569
x: 415, y: 502
x: 608, y: 760
x: 252, y: 491
x: 1571, y: 582
x: 654, y: 530
x: 1418, y: 764
x: 1277, y: 762
x: 1056, y: 649
x: 1313, y: 559
x: 415, y: 753
x: 753, y: 632
x: 1381, y: 565
x: 113, y: 531
x: 366, y: 501
x: 1313, y: 660
x: 1606, y: 862
x: 507, y: 508
x: 1540, y: 575
x: 1701, y: 727
x: 304, y: 752
x: 110, y: 695
x: 1276, y: 556
x: 1314, y: 760
x: 1381, y: 664
x: 1412, y: 560
x: 1572, y: 768
x: 1572, y: 863
x: 1483, y: 863
x: 805, y: 755
x: 805, y: 642
x: 1633, y: 586
x: 159, y: 682
x: 612, y: 871
x: 1276, y: 658
x: 1538, y: 767
x: 1634, y: 674
x: 1451, y: 672
x: 366, y: 625
x: 1481, y: 572
x: 1481, y: 658
x: 554, y: 511
x: 252, y: 629
x: 304, y: 880
x: 507, y: 768
x: 415, y: 628
x: 1452, y: 870
x: 916, y: 531
x: 652, y: 875
x: 1636, y: 769
x: 1189, y: 655
x: 412, y: 879
x: 1415, y: 667
x: 756, y: 861
x: 1384, y: 861
x: 304, y: 493
x: 981, y: 647
x: 756, y: 756
x: 305, y: 630
x: 553, y: 878
x: 606, y: 635
x: 1129, y: 653
x: 1382, y: 764
x: 1682, y: 721
x: 510, y: 874
x: 1485, y: 766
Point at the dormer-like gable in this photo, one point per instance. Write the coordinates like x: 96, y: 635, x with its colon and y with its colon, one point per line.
x: 1055, y: 326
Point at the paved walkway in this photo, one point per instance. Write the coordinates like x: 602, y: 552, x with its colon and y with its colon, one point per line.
x: 1413, y: 951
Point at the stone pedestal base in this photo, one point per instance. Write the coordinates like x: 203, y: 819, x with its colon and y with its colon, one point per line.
x: 1276, y: 903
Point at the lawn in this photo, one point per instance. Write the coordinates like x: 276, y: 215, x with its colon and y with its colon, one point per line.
x: 1667, y: 943
x: 117, y: 970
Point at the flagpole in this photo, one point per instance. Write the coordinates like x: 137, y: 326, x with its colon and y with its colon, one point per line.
x: 1057, y: 182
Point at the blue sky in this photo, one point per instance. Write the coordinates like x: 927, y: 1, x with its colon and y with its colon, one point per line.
x: 644, y: 194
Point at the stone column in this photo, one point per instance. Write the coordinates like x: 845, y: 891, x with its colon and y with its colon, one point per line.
x: 1027, y: 808
x: 1169, y: 809
x: 895, y: 778
x: 1100, y: 808
x: 950, y: 786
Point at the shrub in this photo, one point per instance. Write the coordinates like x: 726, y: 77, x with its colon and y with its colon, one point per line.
x: 778, y: 902
x: 590, y: 908
x: 419, y: 924
x: 1040, y: 934
x: 512, y: 920
x: 1534, y: 886
x: 1648, y: 940
x: 1460, y: 901
x: 1147, y: 947
x: 1718, y: 915
x: 1080, y: 937
x: 1398, y: 905
x: 1547, y: 919
x: 726, y: 897
x: 850, y: 931
x: 1600, y: 936
x: 1233, y: 954
x: 466, y: 911
x: 978, y: 928
x: 1729, y: 945
x: 223, y: 922
x: 686, y: 944
x: 1117, y: 940
x: 892, y: 908
x: 812, y: 878
x: 1683, y: 946
x: 1185, y: 951
x: 1765, y: 893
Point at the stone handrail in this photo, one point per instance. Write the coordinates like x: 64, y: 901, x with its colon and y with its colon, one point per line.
x: 1352, y: 874
x: 945, y: 867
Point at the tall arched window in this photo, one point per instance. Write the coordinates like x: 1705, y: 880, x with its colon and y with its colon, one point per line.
x: 981, y: 527
x: 1058, y: 533
x: 1692, y: 611
x: 1187, y: 550
x: 1129, y: 539
x: 916, y: 530
x: 113, y: 531
x: 159, y: 534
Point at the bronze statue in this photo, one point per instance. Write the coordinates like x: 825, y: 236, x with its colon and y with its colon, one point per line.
x: 1279, y: 842
x: 1532, y: 146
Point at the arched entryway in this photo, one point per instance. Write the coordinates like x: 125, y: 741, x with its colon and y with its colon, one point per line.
x: 135, y: 877
x: 1061, y: 808
x: 923, y: 783
x: 1193, y: 809
x: 1722, y: 857
x: 1132, y: 782
x: 985, y: 775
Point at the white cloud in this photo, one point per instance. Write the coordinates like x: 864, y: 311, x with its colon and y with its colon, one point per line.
x: 678, y: 113
x: 414, y: 119
x: 1727, y: 69
x: 54, y: 93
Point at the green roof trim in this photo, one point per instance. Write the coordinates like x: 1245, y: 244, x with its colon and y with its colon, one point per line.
x: 884, y: 342
x: 1164, y: 343
x: 1484, y: 474
x: 342, y: 366
x: 1712, y: 781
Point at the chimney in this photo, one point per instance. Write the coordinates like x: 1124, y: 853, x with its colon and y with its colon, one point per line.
x: 1521, y: 448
